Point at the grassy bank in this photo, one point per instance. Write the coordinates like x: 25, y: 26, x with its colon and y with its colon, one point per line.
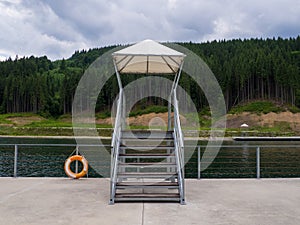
x: 264, y: 119
x: 33, y: 124
x: 107, y: 132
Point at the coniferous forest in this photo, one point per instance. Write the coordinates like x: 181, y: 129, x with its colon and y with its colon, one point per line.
x: 247, y: 70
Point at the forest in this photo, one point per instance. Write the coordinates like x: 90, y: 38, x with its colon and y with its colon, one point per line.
x: 247, y: 70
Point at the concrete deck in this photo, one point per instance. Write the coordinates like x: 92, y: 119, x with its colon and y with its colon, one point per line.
x: 50, y: 201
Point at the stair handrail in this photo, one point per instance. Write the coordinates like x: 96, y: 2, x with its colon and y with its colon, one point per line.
x: 115, y: 144
x: 179, y: 146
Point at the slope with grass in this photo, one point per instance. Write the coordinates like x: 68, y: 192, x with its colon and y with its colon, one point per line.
x: 265, y: 115
x: 262, y: 116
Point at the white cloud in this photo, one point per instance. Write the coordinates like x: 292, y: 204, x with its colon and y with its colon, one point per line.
x: 35, y: 30
x: 57, y: 28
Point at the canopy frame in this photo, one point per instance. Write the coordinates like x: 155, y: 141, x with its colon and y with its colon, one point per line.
x: 148, y: 57
x: 171, y: 59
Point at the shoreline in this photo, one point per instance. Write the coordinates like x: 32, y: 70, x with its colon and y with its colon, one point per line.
x: 106, y: 138
x: 52, y: 137
x: 232, y: 138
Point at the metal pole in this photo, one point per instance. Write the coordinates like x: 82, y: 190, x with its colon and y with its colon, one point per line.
x: 178, y: 76
x: 76, y: 162
x: 169, y: 113
x: 123, y: 124
x: 199, y: 163
x: 16, y: 161
x: 118, y: 75
x: 258, y: 162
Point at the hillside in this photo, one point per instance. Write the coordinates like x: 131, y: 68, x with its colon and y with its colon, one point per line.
x: 265, y: 69
x: 270, y: 124
x: 284, y: 121
x: 275, y: 119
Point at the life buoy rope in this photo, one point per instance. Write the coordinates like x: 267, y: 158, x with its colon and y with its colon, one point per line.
x: 68, y: 166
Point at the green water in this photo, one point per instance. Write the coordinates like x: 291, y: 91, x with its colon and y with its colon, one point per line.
x: 237, y: 161
x: 38, y: 161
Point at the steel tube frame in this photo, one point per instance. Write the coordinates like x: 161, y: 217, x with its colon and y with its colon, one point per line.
x: 199, y: 162
x: 179, y: 149
x: 173, y: 90
x: 16, y: 161
x: 119, y: 124
x: 258, y: 162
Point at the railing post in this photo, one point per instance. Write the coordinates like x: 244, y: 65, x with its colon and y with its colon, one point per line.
x: 16, y: 161
x: 199, y: 162
x: 258, y: 162
x: 169, y: 114
x: 76, y: 162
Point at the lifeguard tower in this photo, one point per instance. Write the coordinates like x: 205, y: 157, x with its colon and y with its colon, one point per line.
x: 141, y: 169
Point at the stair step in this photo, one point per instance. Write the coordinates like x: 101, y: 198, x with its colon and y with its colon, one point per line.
x: 158, y: 156
x: 147, y: 197
x: 148, y: 139
x: 145, y: 170
x: 147, y: 185
x: 147, y: 165
x: 146, y: 175
x: 147, y: 134
x: 146, y: 146
x: 145, y: 142
x: 137, y: 147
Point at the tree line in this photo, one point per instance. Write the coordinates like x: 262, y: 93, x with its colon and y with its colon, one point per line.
x: 254, y: 69
x: 250, y: 69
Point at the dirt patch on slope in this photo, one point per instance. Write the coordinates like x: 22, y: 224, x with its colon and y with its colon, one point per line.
x: 21, y: 121
x: 287, y: 119
x: 265, y: 120
x: 151, y: 119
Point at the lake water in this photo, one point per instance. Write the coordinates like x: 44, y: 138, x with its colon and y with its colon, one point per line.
x: 234, y: 160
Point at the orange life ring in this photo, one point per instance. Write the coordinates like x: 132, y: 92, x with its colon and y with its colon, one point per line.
x: 68, y: 164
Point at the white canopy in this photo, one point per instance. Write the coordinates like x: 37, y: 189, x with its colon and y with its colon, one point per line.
x: 148, y: 57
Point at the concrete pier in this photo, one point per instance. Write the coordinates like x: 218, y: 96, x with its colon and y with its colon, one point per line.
x: 64, y: 201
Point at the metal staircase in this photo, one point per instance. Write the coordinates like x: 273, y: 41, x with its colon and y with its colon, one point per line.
x: 147, y: 165
x: 147, y: 168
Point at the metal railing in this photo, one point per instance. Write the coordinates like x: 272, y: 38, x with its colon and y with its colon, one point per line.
x: 257, y: 148
x: 261, y: 160
x: 32, y: 156
x: 179, y: 148
x: 115, y: 145
x: 282, y: 160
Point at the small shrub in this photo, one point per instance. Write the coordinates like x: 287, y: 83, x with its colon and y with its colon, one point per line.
x: 149, y: 109
x: 257, y: 107
x: 103, y: 115
x: 293, y: 109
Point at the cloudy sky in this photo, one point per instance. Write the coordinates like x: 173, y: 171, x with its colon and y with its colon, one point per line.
x: 57, y: 28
